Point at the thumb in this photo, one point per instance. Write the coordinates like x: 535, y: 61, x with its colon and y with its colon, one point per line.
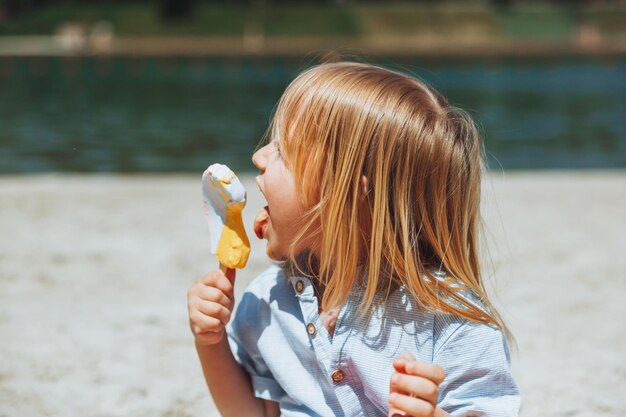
x: 229, y: 273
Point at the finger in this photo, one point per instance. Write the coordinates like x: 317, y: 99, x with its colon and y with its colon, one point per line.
x: 394, y: 412
x: 414, y: 407
x: 213, y: 294
x: 427, y: 370
x: 218, y: 280
x: 201, y: 323
x: 215, y: 310
x: 400, y: 362
x: 415, y: 386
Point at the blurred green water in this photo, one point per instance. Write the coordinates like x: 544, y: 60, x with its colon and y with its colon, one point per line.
x: 179, y: 114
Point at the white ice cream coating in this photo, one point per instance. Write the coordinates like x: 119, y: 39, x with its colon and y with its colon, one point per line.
x: 220, y: 188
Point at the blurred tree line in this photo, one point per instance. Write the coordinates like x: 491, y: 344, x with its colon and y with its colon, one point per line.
x: 177, y: 9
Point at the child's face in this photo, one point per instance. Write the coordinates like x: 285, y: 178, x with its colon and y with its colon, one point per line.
x: 284, y: 209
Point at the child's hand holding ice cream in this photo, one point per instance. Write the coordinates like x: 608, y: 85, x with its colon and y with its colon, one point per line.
x: 211, y: 298
x: 210, y: 302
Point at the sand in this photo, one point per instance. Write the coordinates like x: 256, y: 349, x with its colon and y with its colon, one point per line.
x: 94, y: 272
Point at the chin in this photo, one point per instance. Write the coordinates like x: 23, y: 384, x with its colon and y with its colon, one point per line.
x: 273, y: 255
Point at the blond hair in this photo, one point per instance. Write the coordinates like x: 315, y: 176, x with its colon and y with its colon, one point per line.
x: 417, y: 212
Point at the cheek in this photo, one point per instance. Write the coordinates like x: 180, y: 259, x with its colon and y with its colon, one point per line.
x: 282, y: 221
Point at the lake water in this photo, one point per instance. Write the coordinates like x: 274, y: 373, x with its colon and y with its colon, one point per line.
x: 179, y: 115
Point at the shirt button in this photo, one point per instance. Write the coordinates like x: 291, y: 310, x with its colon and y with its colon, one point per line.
x: 337, y: 376
x: 311, y: 329
x: 299, y: 286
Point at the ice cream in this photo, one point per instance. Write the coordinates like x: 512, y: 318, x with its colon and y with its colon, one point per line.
x: 224, y: 199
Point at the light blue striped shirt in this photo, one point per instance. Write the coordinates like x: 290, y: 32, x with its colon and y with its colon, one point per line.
x: 278, y: 337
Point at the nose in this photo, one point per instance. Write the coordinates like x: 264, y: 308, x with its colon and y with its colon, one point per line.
x: 259, y: 159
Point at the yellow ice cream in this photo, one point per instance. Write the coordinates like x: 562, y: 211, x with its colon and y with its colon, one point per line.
x: 233, y: 248
x: 224, y: 200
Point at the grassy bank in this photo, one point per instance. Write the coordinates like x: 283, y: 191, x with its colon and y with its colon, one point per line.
x: 520, y: 22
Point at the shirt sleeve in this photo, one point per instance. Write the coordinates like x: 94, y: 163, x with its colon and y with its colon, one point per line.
x: 243, y: 333
x: 478, y: 379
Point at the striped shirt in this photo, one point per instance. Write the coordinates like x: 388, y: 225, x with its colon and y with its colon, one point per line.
x: 277, y: 335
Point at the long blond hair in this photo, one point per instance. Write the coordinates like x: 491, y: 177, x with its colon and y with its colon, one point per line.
x: 416, y: 212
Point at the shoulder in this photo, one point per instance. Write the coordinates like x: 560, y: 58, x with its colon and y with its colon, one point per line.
x: 448, y: 328
x: 452, y: 333
x: 476, y: 359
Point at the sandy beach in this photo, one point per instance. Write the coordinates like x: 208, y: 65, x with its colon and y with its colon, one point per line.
x: 94, y: 272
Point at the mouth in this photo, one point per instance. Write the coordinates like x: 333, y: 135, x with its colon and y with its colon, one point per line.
x: 261, y: 222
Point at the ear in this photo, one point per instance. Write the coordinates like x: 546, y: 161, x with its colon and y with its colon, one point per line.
x: 364, y: 187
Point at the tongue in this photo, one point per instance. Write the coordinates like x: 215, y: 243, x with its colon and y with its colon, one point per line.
x: 260, y: 222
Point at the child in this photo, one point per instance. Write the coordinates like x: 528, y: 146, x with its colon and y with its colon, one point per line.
x: 377, y: 305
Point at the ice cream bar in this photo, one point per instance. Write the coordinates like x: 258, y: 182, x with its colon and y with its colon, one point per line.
x: 224, y: 199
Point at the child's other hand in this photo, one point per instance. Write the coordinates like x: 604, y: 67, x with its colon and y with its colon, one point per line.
x: 414, y: 387
x: 210, y: 302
